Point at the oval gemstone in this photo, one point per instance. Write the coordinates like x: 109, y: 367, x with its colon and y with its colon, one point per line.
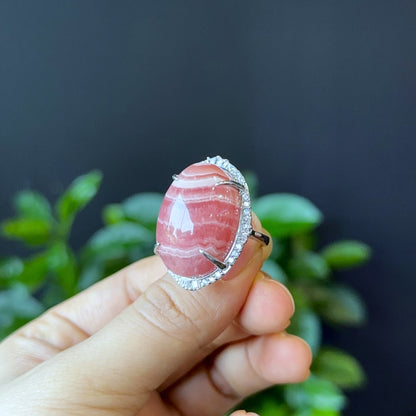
x: 195, y: 214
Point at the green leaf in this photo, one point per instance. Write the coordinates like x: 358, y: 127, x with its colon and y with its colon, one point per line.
x: 306, y: 324
x: 317, y: 412
x: 338, y: 367
x: 79, y: 193
x: 143, y: 208
x: 308, y: 265
x: 35, y: 271
x: 341, y: 305
x: 139, y: 252
x: 271, y: 407
x: 33, y: 231
x: 274, y: 271
x: 31, y: 204
x: 62, y: 263
x: 284, y: 215
x: 122, y: 235
x: 344, y: 254
x: 10, y: 269
x: 300, y: 296
x: 113, y: 214
x: 304, y: 241
x: 264, y: 400
x: 252, y: 182
x: 52, y: 294
x: 16, y: 302
x: 281, y: 250
x: 90, y: 274
x: 315, y: 393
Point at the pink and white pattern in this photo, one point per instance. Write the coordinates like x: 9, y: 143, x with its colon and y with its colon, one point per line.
x: 198, y: 215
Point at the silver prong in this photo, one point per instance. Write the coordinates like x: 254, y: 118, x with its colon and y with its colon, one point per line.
x: 260, y: 236
x: 213, y: 260
x: 175, y: 177
x: 156, y: 246
x: 237, y: 185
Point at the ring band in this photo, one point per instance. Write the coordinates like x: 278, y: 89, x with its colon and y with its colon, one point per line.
x: 260, y: 236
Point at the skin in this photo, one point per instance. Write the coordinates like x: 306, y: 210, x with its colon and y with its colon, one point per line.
x: 138, y: 344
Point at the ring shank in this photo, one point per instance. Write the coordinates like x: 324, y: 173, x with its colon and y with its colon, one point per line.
x: 265, y: 239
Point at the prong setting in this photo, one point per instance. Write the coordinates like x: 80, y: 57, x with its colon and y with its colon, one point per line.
x: 235, y: 184
x: 213, y: 260
x: 175, y: 177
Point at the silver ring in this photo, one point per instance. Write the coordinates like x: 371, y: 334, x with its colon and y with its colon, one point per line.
x: 228, y: 189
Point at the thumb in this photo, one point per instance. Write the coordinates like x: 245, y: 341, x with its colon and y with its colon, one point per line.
x: 157, y: 334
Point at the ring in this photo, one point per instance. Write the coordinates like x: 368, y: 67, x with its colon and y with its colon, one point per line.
x: 204, y: 222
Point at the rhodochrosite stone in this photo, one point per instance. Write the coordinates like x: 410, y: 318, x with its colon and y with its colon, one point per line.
x: 195, y: 214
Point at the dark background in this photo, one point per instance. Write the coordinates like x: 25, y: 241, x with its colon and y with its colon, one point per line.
x: 318, y: 97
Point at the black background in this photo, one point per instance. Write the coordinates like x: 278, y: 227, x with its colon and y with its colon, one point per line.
x: 318, y: 97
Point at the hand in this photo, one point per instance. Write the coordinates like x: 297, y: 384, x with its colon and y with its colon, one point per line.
x: 138, y: 344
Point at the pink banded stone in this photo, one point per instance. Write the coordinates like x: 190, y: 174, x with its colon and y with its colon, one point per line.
x: 195, y: 214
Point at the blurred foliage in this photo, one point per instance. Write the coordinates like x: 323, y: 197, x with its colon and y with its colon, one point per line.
x: 55, y: 272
